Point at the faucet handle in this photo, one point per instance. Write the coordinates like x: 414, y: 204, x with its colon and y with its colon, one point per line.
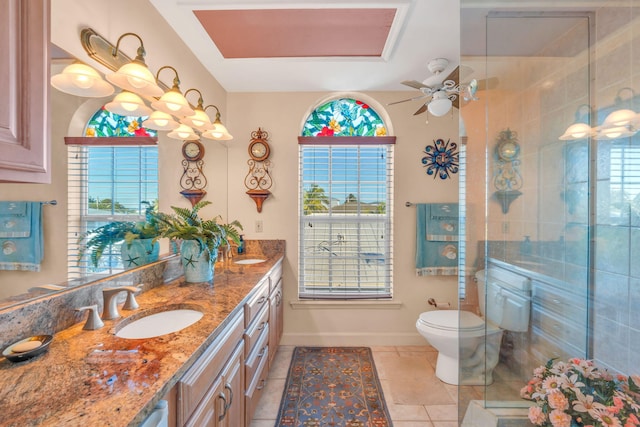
x: 93, y: 320
x: 131, y: 303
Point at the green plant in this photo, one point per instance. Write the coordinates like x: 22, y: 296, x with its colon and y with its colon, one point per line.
x: 186, y: 224
x: 97, y: 240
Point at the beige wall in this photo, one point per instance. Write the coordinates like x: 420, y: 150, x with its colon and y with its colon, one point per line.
x: 282, y: 114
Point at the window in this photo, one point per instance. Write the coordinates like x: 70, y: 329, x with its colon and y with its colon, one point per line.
x: 346, y: 189
x: 108, y: 183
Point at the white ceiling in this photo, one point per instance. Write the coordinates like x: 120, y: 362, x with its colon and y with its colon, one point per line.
x: 422, y: 30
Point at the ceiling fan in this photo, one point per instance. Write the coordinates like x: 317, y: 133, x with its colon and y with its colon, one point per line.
x: 444, y: 92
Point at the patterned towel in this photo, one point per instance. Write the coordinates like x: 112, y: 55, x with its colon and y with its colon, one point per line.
x: 21, y: 244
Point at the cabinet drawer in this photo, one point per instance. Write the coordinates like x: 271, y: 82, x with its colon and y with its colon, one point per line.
x: 199, y: 378
x: 254, y: 359
x: 255, y: 329
x: 275, y: 276
x: 568, y: 305
x: 255, y: 304
x: 256, y: 388
x: 563, y: 329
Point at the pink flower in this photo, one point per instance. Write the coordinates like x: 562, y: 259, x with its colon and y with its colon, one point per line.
x: 552, y: 384
x: 606, y: 418
x: 557, y: 400
x: 586, y: 404
x: 536, y: 416
x: 560, y: 418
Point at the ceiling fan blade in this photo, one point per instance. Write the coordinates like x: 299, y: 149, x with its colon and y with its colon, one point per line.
x: 454, y: 75
x: 414, y: 84
x: 421, y: 110
x: 410, y: 99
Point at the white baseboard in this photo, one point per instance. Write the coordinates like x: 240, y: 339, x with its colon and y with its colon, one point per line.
x: 321, y: 339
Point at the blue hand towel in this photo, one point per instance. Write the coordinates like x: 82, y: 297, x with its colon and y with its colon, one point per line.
x: 24, y: 249
x: 433, y: 257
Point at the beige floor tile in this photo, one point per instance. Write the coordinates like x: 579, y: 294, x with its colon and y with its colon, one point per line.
x: 445, y: 424
x: 262, y: 423
x: 270, y: 401
x: 407, y: 348
x: 442, y: 412
x: 410, y: 424
x: 407, y: 412
x: 281, y: 363
x: 375, y: 349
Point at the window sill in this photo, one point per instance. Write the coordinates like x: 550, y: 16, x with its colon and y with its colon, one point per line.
x: 364, y: 305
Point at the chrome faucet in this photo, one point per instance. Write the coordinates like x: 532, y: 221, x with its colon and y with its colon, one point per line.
x: 110, y: 310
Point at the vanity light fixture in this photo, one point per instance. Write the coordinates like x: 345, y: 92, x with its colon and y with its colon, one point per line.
x: 218, y: 131
x: 81, y: 80
x: 580, y: 128
x: 184, y: 133
x: 135, y: 76
x: 159, y: 120
x: 128, y: 104
x: 173, y: 102
x: 199, y: 120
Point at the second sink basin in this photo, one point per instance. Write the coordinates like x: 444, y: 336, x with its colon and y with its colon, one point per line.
x: 249, y: 261
x: 156, y: 324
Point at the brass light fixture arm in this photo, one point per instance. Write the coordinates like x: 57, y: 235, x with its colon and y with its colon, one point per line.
x: 200, y: 100
x: 140, y: 52
x: 217, y: 112
x: 176, y: 79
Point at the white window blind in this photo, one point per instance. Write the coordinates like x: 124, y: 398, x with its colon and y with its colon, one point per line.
x: 345, y: 221
x: 107, y: 183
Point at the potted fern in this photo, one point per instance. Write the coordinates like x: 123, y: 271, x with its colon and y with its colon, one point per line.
x: 199, y: 239
x: 138, y: 240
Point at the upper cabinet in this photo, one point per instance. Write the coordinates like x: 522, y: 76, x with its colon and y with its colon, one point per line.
x: 24, y: 84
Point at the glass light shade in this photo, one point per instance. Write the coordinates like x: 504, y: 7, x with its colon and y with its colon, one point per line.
x: 172, y: 102
x: 615, y: 132
x: 439, y: 105
x: 159, y: 120
x: 128, y: 104
x: 620, y: 118
x: 81, y: 80
x: 576, y: 131
x: 136, y: 77
x: 183, y: 132
x: 200, y: 120
x: 218, y: 132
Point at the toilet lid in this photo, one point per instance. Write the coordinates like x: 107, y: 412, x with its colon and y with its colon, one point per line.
x: 452, y: 320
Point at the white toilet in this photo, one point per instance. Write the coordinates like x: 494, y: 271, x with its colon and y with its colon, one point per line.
x: 459, y: 336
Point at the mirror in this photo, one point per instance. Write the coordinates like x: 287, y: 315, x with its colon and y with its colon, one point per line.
x: 69, y: 115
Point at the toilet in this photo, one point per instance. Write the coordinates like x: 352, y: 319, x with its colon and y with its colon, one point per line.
x: 459, y: 336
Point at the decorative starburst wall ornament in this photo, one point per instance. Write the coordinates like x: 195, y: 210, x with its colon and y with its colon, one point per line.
x: 441, y: 159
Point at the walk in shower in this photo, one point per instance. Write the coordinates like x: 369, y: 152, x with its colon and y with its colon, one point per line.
x: 560, y: 202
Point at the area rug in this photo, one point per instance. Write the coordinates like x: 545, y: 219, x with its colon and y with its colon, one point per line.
x: 333, y: 387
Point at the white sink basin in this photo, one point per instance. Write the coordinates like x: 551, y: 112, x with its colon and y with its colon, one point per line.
x: 164, y: 322
x: 249, y: 261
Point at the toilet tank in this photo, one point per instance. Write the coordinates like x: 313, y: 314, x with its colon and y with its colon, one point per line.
x: 508, y: 298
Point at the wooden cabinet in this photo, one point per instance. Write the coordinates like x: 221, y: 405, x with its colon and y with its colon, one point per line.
x: 24, y: 82
x: 211, y: 393
x: 276, y: 317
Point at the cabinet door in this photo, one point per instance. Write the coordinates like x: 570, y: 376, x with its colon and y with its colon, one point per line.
x: 276, y: 315
x: 24, y: 82
x: 210, y: 409
x: 233, y: 410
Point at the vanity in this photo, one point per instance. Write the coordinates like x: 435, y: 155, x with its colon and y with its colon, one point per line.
x: 212, y: 372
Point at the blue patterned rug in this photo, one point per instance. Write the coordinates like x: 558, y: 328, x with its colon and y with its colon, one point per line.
x: 333, y: 387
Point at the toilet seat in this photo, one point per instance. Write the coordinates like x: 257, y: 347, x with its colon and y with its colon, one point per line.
x: 453, y: 320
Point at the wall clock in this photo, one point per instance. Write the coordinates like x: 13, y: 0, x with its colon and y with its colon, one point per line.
x: 193, y: 150
x: 259, y: 150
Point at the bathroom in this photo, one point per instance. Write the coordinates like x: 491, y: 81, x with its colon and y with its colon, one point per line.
x: 543, y: 112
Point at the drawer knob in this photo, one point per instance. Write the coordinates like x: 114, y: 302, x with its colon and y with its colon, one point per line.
x: 261, y: 386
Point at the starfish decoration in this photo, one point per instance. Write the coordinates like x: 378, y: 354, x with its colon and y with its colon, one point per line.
x: 132, y: 261
x: 441, y: 159
x: 190, y: 261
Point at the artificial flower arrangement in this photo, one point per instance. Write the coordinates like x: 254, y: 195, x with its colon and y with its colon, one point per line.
x: 577, y: 393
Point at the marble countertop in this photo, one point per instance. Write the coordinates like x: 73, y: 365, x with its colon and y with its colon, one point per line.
x: 91, y: 378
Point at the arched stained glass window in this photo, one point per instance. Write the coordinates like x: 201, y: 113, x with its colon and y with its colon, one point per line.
x: 344, y: 117
x: 103, y: 123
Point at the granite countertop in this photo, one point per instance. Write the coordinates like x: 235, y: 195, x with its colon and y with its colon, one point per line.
x: 90, y: 378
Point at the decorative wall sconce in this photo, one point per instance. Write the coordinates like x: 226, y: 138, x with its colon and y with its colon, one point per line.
x: 507, y: 179
x: 258, y: 180
x: 172, y: 101
x: 160, y: 120
x: 128, y: 104
x: 199, y: 119
x: 193, y: 181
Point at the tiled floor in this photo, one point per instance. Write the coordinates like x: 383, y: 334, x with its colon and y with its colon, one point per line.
x: 414, y: 395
